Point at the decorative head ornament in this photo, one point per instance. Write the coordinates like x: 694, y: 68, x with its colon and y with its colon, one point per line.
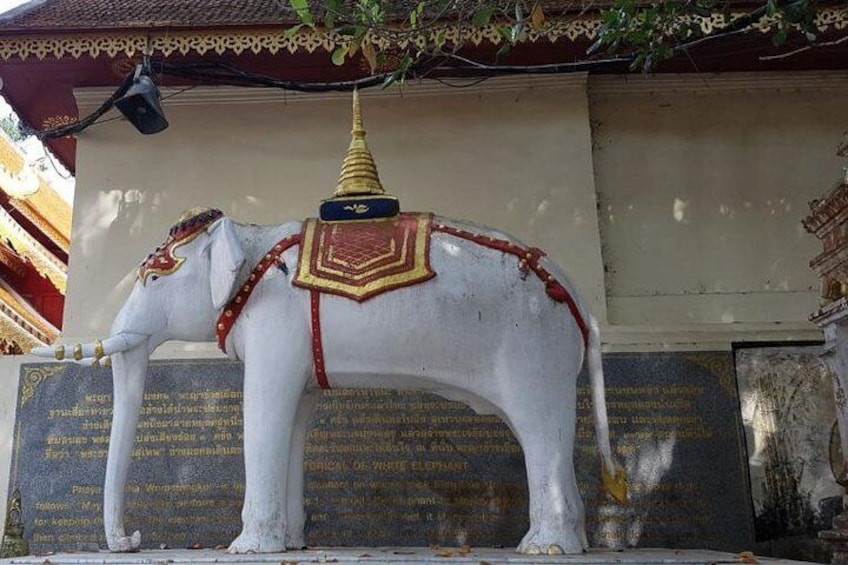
x: 359, y: 172
x: 359, y: 194
x: 163, y: 261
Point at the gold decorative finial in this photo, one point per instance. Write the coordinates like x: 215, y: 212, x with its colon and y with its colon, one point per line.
x: 359, y: 173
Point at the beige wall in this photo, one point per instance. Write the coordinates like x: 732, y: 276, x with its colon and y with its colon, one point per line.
x: 702, y: 182
x: 702, y: 187
x: 512, y: 156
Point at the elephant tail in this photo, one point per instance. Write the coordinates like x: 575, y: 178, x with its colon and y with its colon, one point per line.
x: 614, y: 475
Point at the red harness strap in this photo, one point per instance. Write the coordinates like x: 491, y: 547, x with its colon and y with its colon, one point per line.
x: 528, y: 259
x: 317, y: 345
x: 236, y: 304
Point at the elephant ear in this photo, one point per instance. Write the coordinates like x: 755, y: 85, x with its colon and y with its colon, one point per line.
x: 226, y: 258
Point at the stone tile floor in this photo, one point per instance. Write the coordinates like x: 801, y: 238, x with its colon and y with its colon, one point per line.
x: 399, y: 556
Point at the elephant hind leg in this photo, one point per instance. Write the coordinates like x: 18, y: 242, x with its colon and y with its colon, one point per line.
x: 295, y: 515
x: 546, y: 434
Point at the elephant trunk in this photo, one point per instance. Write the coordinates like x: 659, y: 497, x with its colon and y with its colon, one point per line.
x: 115, y: 344
x: 129, y: 369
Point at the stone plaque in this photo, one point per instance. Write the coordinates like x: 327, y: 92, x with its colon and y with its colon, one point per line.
x: 384, y: 467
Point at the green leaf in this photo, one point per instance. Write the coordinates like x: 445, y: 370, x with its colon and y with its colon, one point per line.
x: 302, y: 9
x: 771, y: 8
x: 503, y: 51
x: 391, y: 79
x: 333, y: 9
x: 339, y: 56
x: 350, y: 31
x: 440, y: 39
x: 483, y: 16
x: 703, y: 11
x: 292, y: 31
x: 505, y: 32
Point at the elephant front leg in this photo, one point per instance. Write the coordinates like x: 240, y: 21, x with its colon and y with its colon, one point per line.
x: 129, y: 372
x: 270, y: 405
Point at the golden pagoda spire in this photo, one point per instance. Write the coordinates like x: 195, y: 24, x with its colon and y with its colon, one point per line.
x: 359, y: 173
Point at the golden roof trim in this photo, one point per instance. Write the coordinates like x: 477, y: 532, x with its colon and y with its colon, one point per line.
x: 21, y: 325
x: 238, y: 40
x: 27, y: 246
x: 32, y: 195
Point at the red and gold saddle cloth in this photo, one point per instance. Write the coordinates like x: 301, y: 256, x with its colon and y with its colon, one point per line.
x: 360, y: 260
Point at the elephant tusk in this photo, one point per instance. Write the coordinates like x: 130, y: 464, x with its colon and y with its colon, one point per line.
x: 96, y: 350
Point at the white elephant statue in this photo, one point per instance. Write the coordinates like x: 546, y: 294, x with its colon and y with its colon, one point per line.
x: 498, y: 327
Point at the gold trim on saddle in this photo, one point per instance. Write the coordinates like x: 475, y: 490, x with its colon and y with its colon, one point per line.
x: 334, y: 259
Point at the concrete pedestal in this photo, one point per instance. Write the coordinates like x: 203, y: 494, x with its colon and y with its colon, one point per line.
x: 399, y: 556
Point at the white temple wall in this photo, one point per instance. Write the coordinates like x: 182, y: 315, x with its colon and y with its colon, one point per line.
x: 516, y: 155
x: 702, y: 184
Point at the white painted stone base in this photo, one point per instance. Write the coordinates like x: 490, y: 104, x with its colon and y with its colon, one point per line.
x: 398, y: 556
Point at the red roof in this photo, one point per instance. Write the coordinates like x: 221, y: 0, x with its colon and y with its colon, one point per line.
x: 85, y: 14
x: 50, y: 47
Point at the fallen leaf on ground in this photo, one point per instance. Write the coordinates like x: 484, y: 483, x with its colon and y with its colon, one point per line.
x: 445, y: 554
x: 465, y: 550
x: 748, y: 557
x: 220, y: 546
x: 195, y: 546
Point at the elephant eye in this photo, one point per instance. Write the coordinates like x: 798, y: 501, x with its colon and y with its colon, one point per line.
x: 154, y: 277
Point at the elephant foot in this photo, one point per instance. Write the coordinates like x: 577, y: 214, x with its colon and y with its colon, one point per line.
x: 295, y: 541
x: 540, y: 541
x: 124, y: 544
x: 252, y: 541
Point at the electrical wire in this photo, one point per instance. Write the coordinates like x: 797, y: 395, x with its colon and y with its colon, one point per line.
x: 439, y: 66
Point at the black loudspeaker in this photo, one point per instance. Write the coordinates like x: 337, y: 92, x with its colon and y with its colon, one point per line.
x: 141, y: 106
